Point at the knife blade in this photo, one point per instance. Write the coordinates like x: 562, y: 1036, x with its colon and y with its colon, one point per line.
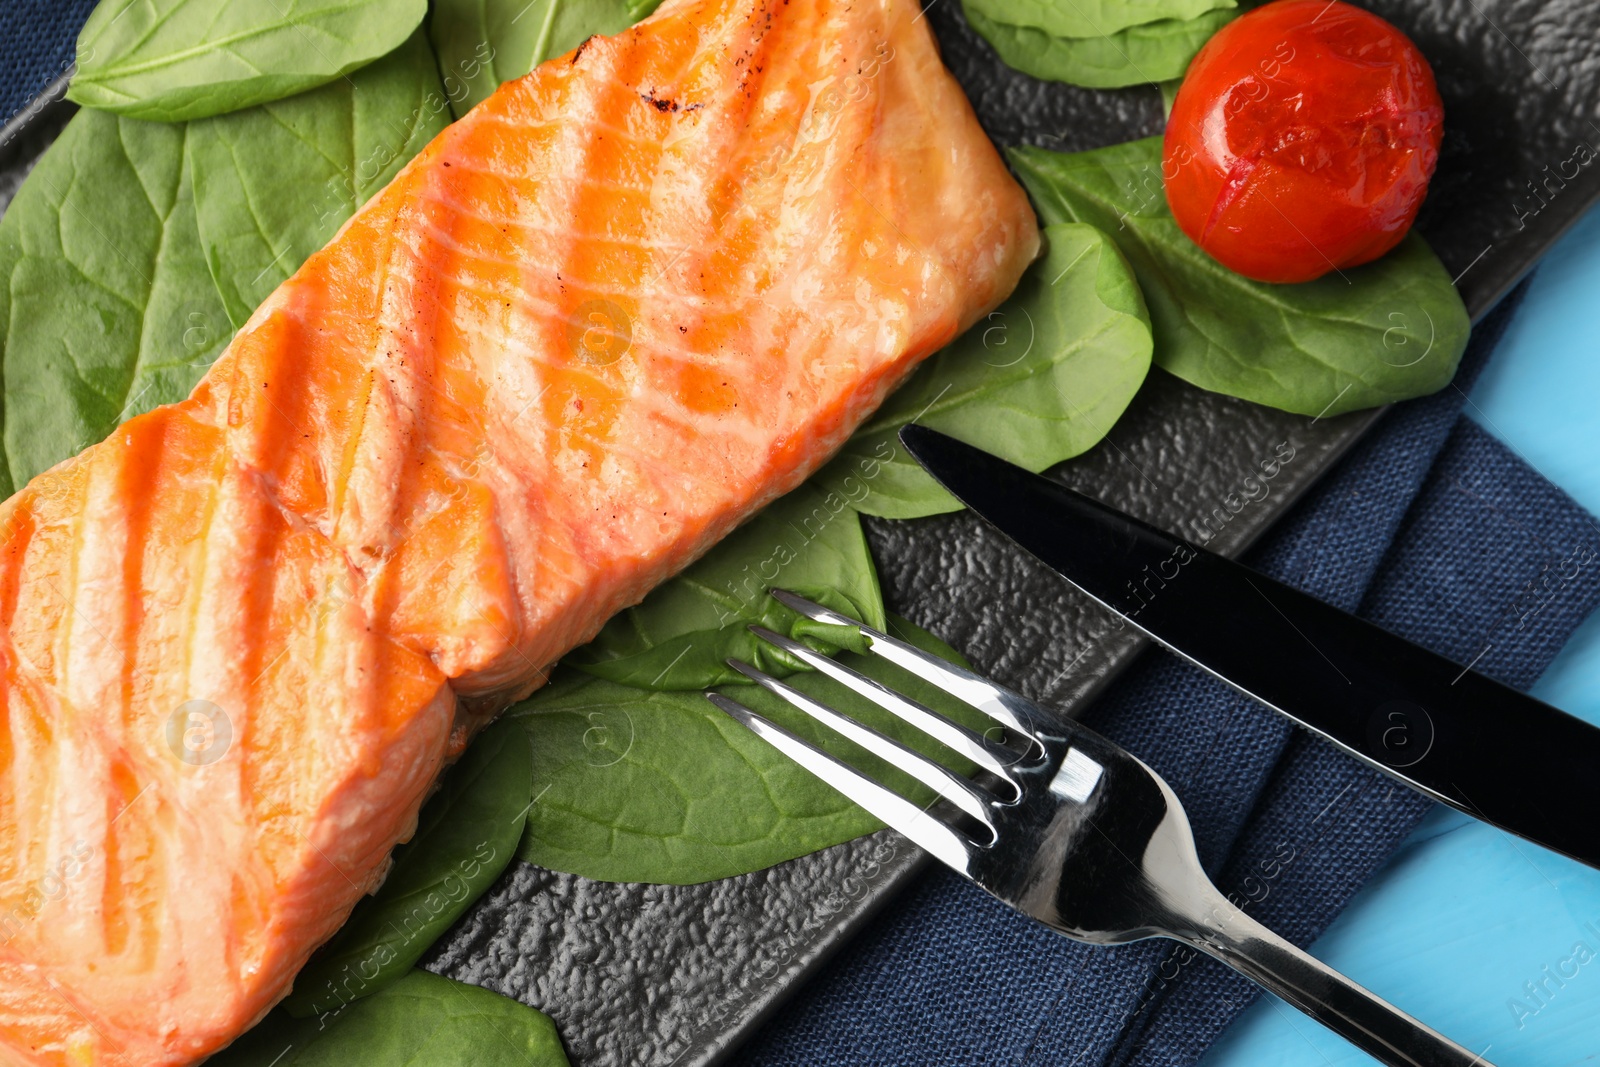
x: 1443, y: 729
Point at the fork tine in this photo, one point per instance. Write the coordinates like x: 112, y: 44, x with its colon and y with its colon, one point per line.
x: 926, y: 831
x: 812, y: 610
x: 941, y: 780
x: 948, y: 732
x: 962, y: 684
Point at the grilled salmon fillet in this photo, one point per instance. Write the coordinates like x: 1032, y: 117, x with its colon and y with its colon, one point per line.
x: 597, y: 323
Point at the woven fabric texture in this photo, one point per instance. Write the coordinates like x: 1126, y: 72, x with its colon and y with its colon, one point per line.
x: 37, y: 39
x: 1431, y: 528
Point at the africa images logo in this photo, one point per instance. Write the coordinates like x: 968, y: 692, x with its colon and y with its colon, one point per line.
x: 198, y: 733
x: 600, y: 332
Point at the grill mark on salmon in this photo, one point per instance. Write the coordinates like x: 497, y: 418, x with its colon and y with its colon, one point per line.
x: 597, y: 323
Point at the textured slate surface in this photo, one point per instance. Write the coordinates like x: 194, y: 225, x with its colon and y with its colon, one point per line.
x: 651, y: 976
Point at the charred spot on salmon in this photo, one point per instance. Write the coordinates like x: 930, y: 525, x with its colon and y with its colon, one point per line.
x: 578, y: 52
x: 659, y: 103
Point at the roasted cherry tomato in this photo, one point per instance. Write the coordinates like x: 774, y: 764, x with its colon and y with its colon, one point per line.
x: 1302, y: 140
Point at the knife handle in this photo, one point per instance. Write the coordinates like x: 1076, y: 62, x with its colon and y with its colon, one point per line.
x: 1361, y: 1017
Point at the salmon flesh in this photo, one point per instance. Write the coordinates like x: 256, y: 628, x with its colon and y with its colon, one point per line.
x: 597, y: 323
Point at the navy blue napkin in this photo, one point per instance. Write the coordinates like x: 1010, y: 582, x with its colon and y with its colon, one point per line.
x: 37, y: 41
x: 1431, y: 528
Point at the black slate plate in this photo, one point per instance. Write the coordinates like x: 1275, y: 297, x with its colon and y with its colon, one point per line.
x: 651, y: 976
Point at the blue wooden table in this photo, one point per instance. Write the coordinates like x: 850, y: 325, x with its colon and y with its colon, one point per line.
x: 1489, y: 939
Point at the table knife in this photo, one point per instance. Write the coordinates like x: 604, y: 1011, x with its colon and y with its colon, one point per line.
x: 1443, y: 729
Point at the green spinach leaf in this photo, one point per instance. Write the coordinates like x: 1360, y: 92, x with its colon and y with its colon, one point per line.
x: 173, y: 60
x: 1089, y: 18
x: 10, y: 254
x: 637, y: 786
x: 679, y: 637
x: 421, y: 1019
x: 1356, y: 338
x: 482, y: 43
x: 1041, y: 380
x: 1150, y: 52
x: 111, y: 309
x: 273, y: 184
x: 466, y: 835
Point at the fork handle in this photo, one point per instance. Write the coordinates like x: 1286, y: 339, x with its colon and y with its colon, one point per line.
x: 1364, y: 1019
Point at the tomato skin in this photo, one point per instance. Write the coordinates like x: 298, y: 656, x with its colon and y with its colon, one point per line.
x: 1302, y: 140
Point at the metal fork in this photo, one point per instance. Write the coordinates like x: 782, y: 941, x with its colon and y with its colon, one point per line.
x: 1069, y: 829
